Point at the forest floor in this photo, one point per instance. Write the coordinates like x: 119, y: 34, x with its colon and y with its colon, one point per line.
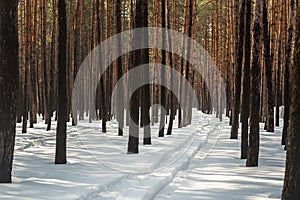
x: 196, y: 162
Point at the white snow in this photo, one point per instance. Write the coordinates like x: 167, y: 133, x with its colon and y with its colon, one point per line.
x: 196, y: 162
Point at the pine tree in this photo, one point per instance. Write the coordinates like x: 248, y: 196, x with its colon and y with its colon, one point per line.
x: 287, y: 85
x: 291, y: 188
x: 268, y: 69
x: 120, y: 107
x: 246, y: 83
x: 253, y: 148
x: 163, y: 73
x: 61, y: 131
x: 238, y: 74
x: 133, y: 141
x: 9, y: 74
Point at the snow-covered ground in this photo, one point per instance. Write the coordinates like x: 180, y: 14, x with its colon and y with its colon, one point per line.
x: 196, y: 162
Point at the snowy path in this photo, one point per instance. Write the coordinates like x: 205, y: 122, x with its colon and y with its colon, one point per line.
x: 147, y: 185
x: 222, y: 175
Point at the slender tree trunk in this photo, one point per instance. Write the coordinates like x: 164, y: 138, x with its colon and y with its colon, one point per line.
x: 61, y: 131
x: 52, y: 67
x: 235, y: 30
x: 120, y: 103
x: 145, y: 93
x: 238, y: 74
x: 246, y: 83
x: 133, y: 141
x: 268, y: 70
x: 33, y: 68
x: 277, y: 67
x: 172, y: 98
x: 45, y: 84
x: 163, y: 74
x: 253, y: 148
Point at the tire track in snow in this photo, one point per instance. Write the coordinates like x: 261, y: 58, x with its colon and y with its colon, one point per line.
x: 147, y: 186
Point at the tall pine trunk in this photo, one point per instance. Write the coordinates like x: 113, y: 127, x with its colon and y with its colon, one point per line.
x: 246, y: 83
x: 163, y: 73
x: 238, y: 74
x: 120, y: 103
x: 291, y: 188
x: 145, y: 93
x: 287, y: 85
x: 253, y: 148
x: 133, y: 140
x: 268, y: 70
x: 61, y: 131
x: 9, y: 74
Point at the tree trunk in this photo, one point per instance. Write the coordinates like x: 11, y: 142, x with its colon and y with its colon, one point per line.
x: 246, y: 83
x: 287, y: 68
x: 9, y: 74
x: 33, y: 68
x: 145, y: 93
x: 172, y: 97
x: 163, y: 74
x: 120, y: 103
x: 133, y: 141
x: 238, y: 74
x: 52, y: 67
x: 268, y: 70
x: 291, y: 188
x: 61, y: 131
x: 253, y: 148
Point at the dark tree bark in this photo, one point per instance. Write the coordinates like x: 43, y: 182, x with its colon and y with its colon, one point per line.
x: 145, y: 93
x: 53, y: 59
x: 287, y: 85
x: 163, y: 73
x: 9, y: 74
x: 33, y: 69
x: 268, y: 70
x: 133, y: 140
x: 155, y: 87
x: 102, y: 81
x: 61, y: 131
x: 44, y: 74
x: 291, y: 188
x: 278, y: 68
x: 238, y: 74
x: 187, y: 111
x: 172, y: 98
x: 120, y: 106
x: 246, y: 82
x: 253, y: 148
x: 184, y: 64
x: 27, y: 65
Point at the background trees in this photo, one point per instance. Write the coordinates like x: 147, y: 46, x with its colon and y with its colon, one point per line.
x: 55, y: 37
